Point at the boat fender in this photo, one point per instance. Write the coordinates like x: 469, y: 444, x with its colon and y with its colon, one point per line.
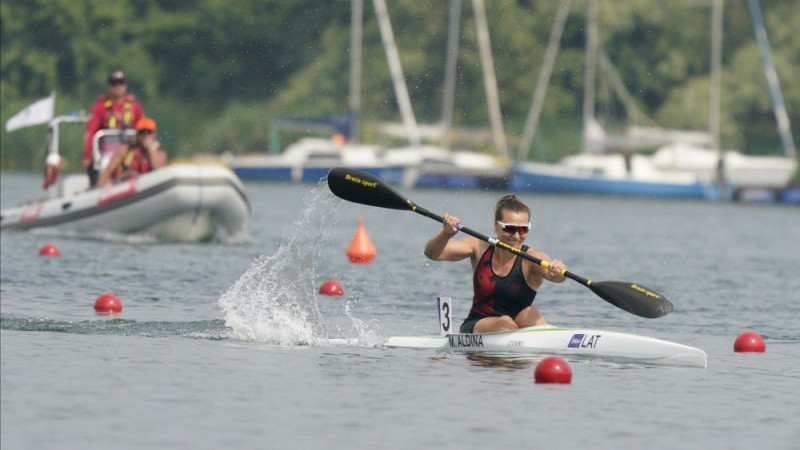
x: 51, y: 166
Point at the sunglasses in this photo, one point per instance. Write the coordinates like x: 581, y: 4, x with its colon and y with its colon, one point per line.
x: 116, y: 82
x: 512, y: 229
x: 143, y: 132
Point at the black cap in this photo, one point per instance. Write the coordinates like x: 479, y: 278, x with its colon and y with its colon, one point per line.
x: 116, y: 75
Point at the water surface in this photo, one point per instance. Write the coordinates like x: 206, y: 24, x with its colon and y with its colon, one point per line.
x: 215, y: 347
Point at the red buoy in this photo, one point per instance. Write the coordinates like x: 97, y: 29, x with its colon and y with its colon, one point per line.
x: 553, y: 370
x: 361, y: 249
x: 49, y: 250
x: 108, y: 304
x: 749, y: 342
x: 332, y: 288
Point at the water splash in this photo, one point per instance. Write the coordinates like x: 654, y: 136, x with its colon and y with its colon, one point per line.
x: 369, y: 334
x: 274, y: 300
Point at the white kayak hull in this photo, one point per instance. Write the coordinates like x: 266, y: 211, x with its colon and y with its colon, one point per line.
x: 183, y: 202
x: 548, y: 339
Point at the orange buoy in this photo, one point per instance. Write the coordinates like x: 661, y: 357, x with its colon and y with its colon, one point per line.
x: 749, y: 342
x: 49, y: 250
x: 361, y: 249
x: 553, y: 370
x: 332, y: 288
x: 108, y: 305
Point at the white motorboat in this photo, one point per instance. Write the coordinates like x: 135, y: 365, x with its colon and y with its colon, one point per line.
x: 429, y: 166
x: 186, y: 201
x: 604, y: 174
x: 309, y: 160
x: 742, y: 171
x: 181, y: 202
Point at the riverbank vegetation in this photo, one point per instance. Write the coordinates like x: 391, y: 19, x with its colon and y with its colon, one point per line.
x: 216, y: 74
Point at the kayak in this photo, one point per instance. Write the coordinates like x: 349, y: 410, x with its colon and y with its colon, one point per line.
x: 550, y: 339
x: 565, y: 341
x: 360, y: 187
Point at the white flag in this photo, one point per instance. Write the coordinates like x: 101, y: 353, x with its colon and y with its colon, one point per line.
x: 39, y: 112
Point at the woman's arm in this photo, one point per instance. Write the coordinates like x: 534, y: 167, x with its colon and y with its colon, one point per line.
x: 442, y: 248
x: 552, y: 272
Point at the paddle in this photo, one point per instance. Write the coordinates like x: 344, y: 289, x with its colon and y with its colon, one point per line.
x: 360, y: 187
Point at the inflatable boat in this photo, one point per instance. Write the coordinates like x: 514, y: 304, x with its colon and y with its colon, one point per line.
x: 185, y: 202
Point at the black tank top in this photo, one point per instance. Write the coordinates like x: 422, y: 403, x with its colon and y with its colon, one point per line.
x: 499, y: 296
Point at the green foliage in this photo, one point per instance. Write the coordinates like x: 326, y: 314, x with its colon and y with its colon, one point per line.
x: 216, y: 73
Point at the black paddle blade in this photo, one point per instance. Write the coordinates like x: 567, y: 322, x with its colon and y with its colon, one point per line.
x: 360, y: 187
x: 634, y: 298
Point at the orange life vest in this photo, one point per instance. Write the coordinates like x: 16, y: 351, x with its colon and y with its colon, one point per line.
x: 136, y: 161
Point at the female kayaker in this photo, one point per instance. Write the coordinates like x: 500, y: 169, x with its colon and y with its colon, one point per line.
x: 504, y: 284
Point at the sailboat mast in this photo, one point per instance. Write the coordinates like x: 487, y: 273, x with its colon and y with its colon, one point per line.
x: 773, y: 83
x: 716, y: 63
x: 396, y: 71
x: 590, y: 66
x: 356, y: 26
x: 450, y: 71
x: 489, y: 78
x: 543, y: 81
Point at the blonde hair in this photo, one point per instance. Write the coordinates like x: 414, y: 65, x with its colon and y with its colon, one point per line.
x: 510, y: 202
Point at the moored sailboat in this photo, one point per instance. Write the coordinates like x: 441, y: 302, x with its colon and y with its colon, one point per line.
x: 684, y: 165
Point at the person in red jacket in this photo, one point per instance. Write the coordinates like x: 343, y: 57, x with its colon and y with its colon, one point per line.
x: 142, y: 157
x: 114, y: 109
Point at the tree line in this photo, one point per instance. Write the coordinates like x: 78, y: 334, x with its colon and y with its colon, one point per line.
x: 216, y: 74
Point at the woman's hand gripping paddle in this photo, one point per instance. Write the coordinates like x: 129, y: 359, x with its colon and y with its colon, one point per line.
x: 360, y: 187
